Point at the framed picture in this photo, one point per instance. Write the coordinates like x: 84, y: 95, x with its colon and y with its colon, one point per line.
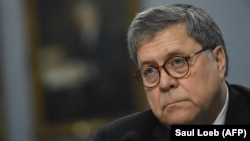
x: 82, y: 73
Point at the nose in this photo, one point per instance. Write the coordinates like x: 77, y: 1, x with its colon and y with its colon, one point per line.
x: 166, y: 81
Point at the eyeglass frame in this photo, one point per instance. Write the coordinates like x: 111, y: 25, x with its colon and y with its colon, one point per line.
x: 158, y: 68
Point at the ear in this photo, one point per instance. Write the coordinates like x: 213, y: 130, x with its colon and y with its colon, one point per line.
x: 220, y: 59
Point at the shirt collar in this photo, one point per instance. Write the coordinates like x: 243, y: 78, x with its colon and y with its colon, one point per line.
x: 220, y: 120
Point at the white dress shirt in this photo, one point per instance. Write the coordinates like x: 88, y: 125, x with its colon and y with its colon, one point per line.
x: 220, y: 120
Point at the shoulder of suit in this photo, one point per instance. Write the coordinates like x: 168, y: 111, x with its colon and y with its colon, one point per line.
x: 239, y: 105
x: 133, y: 120
x: 240, y: 89
x: 134, y: 117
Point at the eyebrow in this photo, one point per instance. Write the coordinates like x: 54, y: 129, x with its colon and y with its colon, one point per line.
x: 168, y: 55
x: 174, y: 53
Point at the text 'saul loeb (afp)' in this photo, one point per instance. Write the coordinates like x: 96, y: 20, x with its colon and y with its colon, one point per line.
x: 239, y: 132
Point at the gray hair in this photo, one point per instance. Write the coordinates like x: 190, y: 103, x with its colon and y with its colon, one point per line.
x: 200, y: 26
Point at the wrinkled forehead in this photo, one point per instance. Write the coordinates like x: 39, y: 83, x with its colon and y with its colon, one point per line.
x: 164, y: 44
x: 150, y: 34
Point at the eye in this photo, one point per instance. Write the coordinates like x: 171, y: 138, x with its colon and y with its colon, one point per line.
x: 149, y: 71
x: 149, y: 75
x: 177, y: 62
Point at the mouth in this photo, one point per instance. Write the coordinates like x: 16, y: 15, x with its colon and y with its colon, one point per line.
x: 173, y: 103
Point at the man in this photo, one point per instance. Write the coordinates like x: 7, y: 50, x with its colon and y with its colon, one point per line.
x: 183, y: 63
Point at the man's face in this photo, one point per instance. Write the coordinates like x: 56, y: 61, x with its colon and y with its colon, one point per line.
x: 196, y: 98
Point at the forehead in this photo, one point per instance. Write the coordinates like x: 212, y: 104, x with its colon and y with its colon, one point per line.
x: 171, y: 41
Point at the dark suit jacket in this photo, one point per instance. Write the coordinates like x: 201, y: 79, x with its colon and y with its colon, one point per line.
x: 144, y: 125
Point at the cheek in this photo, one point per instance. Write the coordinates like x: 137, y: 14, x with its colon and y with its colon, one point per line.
x: 203, y: 84
x: 153, y: 98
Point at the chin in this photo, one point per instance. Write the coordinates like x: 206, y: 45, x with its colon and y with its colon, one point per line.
x: 176, y: 122
x: 175, y: 119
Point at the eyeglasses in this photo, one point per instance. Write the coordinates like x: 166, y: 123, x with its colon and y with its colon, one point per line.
x: 176, y: 67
